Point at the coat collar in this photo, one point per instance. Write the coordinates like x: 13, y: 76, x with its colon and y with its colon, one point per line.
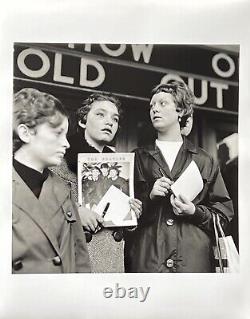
x: 187, y: 145
x: 182, y: 160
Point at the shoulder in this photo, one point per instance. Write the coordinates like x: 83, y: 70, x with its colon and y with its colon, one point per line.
x: 144, y: 149
x: 203, y: 156
x: 59, y: 181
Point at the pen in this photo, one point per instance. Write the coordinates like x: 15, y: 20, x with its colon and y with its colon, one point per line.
x: 163, y: 175
x: 105, y: 209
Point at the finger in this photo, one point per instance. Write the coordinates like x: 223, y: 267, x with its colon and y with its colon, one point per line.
x: 97, y: 229
x: 176, y: 211
x: 86, y: 227
x: 172, y: 200
x: 184, y: 199
x: 135, y: 201
x: 92, y: 227
x: 160, y: 193
x: 165, y: 180
x: 179, y: 204
x: 99, y: 219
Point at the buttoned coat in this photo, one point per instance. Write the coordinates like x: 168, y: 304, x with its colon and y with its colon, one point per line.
x: 164, y: 242
x: 36, y: 247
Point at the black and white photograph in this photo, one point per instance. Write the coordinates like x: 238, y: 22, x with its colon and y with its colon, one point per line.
x: 124, y: 164
x: 175, y: 107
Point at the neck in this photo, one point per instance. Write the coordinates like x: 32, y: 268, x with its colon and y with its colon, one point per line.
x: 98, y: 146
x: 24, y: 157
x: 173, y: 134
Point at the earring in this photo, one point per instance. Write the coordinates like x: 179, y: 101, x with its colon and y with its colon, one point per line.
x: 179, y: 118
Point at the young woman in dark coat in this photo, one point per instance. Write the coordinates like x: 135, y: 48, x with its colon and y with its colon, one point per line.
x: 174, y: 233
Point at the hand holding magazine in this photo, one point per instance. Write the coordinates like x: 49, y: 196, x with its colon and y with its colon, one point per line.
x: 105, y: 184
x: 118, y: 212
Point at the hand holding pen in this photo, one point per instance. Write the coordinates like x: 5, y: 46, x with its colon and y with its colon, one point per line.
x: 162, y: 186
x: 100, y: 225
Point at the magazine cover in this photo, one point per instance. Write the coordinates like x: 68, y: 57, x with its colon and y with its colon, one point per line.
x: 105, y: 185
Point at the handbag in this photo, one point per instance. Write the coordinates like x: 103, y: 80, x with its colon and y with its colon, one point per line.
x: 225, y: 252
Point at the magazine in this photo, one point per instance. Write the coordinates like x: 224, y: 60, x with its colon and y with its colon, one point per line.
x: 105, y: 185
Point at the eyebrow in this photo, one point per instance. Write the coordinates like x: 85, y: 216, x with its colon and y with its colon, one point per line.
x: 104, y: 110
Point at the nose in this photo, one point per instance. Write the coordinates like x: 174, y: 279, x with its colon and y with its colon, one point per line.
x: 154, y: 108
x: 109, y: 121
x: 65, y: 143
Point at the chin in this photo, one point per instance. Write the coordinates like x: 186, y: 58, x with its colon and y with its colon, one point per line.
x: 106, y: 139
x: 55, y: 162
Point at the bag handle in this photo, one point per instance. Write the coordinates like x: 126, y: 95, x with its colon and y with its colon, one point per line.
x: 222, y: 234
x: 217, y: 241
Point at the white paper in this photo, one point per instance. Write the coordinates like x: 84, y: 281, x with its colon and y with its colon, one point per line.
x: 119, y: 209
x: 190, y: 182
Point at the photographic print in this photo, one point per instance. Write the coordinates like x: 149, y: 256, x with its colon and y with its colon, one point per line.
x: 131, y: 61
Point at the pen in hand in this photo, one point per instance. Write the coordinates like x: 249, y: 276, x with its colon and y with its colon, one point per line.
x: 105, y: 209
x: 163, y: 175
x: 103, y: 215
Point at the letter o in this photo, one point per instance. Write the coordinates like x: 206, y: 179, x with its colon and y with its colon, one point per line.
x: 116, y: 52
x: 33, y: 73
x: 217, y: 70
x: 169, y: 77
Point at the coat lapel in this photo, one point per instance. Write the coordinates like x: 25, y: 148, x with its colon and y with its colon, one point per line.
x: 155, y: 152
x: 183, y: 159
x: 24, y: 198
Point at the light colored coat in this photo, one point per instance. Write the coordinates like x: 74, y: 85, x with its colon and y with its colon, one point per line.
x: 36, y: 246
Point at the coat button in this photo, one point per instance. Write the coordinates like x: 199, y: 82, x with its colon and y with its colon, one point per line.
x: 57, y: 261
x: 118, y: 235
x: 17, y: 265
x: 169, y: 263
x: 170, y: 222
x: 69, y: 214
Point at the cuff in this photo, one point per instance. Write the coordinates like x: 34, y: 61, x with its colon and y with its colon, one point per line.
x: 198, y: 215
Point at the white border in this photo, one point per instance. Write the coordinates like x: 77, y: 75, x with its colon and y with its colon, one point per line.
x: 150, y: 21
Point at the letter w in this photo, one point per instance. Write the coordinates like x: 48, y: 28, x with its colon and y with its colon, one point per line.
x: 144, y: 49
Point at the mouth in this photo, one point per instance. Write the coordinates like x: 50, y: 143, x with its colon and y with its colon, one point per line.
x: 156, y: 117
x: 107, y: 131
x: 61, y: 154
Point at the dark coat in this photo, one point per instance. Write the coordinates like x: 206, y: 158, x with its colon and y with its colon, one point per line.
x: 36, y: 246
x: 164, y: 242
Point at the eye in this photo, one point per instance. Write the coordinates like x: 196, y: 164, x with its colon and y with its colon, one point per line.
x: 163, y: 103
x: 100, y: 114
x: 58, y: 133
x: 116, y: 119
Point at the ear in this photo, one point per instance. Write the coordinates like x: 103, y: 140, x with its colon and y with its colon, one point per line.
x: 81, y: 124
x: 180, y: 112
x: 24, y: 133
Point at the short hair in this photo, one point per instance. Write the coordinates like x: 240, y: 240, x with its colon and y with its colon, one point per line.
x: 183, y: 97
x: 32, y: 107
x: 114, y: 168
x: 104, y: 165
x: 83, y: 111
x: 96, y: 168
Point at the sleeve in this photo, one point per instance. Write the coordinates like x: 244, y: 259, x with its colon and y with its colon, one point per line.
x: 143, y: 187
x: 216, y: 200
x: 82, y: 260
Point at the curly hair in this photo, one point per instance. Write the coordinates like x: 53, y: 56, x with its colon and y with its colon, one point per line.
x: 31, y: 108
x: 83, y: 111
x: 183, y: 97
